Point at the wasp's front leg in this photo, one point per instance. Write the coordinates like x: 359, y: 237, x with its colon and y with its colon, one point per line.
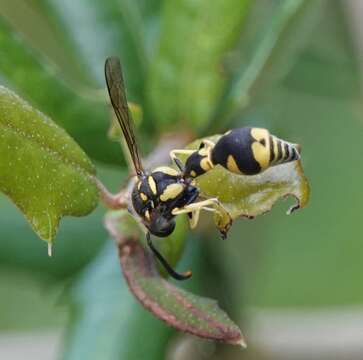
x: 222, y: 217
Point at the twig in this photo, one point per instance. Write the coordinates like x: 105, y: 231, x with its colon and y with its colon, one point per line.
x: 112, y: 201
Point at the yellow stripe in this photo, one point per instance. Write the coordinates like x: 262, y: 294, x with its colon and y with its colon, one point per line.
x: 147, y: 215
x: 166, y: 170
x: 205, y: 164
x: 152, y: 184
x: 259, y: 134
x: 261, y: 147
x: 261, y: 154
x: 283, y: 151
x: 232, y: 165
x: 143, y: 196
x: 171, y: 192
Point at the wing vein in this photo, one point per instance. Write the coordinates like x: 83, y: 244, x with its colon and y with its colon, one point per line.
x: 116, y: 90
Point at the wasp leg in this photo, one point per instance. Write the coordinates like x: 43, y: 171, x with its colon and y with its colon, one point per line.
x: 174, y: 157
x: 184, y: 276
x: 197, y: 206
x: 194, y: 219
x: 194, y: 216
x: 224, y: 220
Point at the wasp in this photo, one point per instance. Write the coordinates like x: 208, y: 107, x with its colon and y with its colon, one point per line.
x: 162, y: 194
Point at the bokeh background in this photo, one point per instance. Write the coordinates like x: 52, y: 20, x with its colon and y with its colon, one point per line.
x: 292, y: 283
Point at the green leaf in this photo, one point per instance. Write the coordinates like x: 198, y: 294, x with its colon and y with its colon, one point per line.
x: 42, y: 169
x: 186, y: 73
x: 78, y: 239
x: 178, y: 308
x: 249, y: 196
x: 107, y: 322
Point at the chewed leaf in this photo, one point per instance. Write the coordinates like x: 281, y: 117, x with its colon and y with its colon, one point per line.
x: 178, y: 308
x: 255, y: 195
x: 42, y: 169
x: 250, y: 196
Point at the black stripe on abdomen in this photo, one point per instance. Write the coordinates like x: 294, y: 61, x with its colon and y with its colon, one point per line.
x: 287, y: 151
x: 279, y: 151
x: 272, y: 153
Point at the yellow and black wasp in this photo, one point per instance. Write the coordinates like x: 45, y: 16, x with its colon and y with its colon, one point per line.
x: 159, y: 196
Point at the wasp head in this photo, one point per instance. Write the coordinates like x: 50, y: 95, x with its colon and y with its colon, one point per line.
x: 161, y: 223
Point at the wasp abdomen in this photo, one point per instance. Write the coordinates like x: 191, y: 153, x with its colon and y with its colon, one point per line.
x: 282, y: 152
x: 249, y: 151
x: 234, y: 152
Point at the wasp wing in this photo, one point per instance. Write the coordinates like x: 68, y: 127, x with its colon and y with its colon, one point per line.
x: 116, y: 90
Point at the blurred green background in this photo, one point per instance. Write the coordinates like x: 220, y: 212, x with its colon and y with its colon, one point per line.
x: 292, y: 283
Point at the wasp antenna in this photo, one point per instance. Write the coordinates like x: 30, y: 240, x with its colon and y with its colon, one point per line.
x: 177, y: 276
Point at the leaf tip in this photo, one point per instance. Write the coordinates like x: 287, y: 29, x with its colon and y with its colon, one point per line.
x: 242, y: 342
x: 50, y: 249
x: 293, y: 209
x: 238, y: 340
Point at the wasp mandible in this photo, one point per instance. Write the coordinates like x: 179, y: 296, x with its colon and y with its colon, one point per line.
x: 159, y: 196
